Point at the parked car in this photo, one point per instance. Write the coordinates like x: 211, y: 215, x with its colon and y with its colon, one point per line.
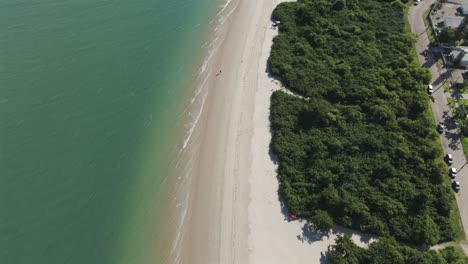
x: 453, y: 173
x: 456, y: 186
x: 417, y: 2
x: 440, y: 128
x: 449, y: 159
x: 430, y: 89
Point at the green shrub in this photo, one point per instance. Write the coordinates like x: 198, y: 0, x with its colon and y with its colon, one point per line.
x: 362, y: 150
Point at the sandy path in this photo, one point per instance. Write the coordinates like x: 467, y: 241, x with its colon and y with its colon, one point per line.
x: 235, y: 214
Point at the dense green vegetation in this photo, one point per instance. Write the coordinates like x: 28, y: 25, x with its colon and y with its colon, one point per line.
x: 449, y: 36
x: 387, y: 250
x: 460, y: 114
x: 359, y: 149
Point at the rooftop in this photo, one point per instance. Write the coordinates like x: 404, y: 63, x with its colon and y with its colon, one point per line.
x: 453, y: 21
x: 465, y: 58
x: 464, y: 7
x: 455, y: 53
x: 459, y: 2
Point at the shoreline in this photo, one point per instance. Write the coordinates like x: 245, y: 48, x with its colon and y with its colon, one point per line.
x: 233, y: 212
x: 184, y: 173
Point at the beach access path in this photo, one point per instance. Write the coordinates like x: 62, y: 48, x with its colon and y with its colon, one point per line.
x: 450, y: 139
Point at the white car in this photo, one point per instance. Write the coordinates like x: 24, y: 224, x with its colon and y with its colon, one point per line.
x: 430, y: 89
x: 449, y: 159
x: 417, y: 2
x: 456, y: 186
x: 453, y: 173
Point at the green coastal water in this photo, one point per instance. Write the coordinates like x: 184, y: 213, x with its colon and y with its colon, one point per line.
x: 88, y: 98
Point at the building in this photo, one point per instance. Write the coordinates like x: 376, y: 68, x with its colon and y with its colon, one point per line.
x: 458, y: 57
x: 464, y: 60
x: 457, y: 2
x: 463, y: 5
x: 453, y: 57
x: 464, y: 8
x: 453, y: 21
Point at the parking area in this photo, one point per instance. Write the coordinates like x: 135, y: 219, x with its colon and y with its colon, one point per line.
x: 447, y: 15
x: 446, y: 10
x: 456, y: 75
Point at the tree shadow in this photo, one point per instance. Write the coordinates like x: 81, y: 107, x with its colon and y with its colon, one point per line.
x: 311, y: 235
x: 323, y: 258
x: 449, y: 122
x: 437, y: 89
x: 273, y: 157
x: 428, y: 63
x: 451, y: 132
x: 283, y: 87
x: 446, y: 115
x: 442, y: 78
x: 363, y: 237
x: 454, y: 139
x: 283, y: 206
x: 430, y: 57
x: 275, y: 24
x: 272, y: 77
x: 455, y: 94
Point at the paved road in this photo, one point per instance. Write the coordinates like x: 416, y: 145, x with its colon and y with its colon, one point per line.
x: 450, y: 139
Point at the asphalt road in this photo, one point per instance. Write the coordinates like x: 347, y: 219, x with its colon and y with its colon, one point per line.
x: 450, y: 139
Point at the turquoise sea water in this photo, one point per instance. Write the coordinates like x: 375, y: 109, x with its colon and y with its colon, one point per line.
x: 89, y: 92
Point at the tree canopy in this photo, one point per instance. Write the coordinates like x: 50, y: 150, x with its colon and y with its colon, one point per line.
x: 361, y: 149
x: 387, y: 250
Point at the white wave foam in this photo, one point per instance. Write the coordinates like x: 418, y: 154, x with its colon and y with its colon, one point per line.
x: 199, y: 97
x: 181, y: 223
x: 226, y: 4
x: 194, y: 123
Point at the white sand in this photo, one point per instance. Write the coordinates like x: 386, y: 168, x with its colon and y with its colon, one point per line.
x: 235, y: 213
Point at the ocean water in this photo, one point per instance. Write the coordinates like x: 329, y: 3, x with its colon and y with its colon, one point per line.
x: 89, y: 101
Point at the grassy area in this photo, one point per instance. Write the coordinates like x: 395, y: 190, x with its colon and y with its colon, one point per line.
x: 464, y: 141
x: 451, y: 102
x: 464, y: 102
x: 461, y: 89
x: 446, y: 87
x: 458, y: 248
x: 429, y: 115
x: 408, y: 29
x: 430, y: 34
x: 456, y: 222
x: 455, y: 244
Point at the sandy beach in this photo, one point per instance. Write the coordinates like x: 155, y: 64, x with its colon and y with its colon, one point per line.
x: 234, y: 213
